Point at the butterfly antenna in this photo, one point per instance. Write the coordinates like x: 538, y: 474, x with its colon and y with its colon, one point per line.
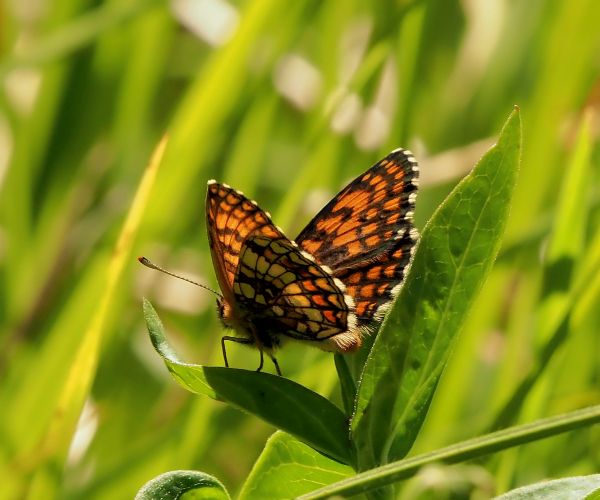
x: 148, y: 263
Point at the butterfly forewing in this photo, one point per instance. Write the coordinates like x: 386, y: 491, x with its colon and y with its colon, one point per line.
x: 365, y: 234
x: 230, y: 219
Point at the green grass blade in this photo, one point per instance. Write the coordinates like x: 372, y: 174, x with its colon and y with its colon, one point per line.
x: 569, y: 42
x: 460, y: 452
x: 325, y: 155
x: 210, y: 100
x: 78, y: 33
x: 347, y: 384
x: 564, y: 252
x: 45, y: 450
x: 277, y: 400
x: 567, y: 239
x: 287, y: 468
x: 83, y: 367
x: 588, y: 282
x: 246, y: 161
x: 456, y: 251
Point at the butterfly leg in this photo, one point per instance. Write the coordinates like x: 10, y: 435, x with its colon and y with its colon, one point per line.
x: 262, y: 361
x: 276, y: 364
x: 234, y: 339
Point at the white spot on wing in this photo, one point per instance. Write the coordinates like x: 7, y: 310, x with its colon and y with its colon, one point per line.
x: 307, y: 256
x: 384, y: 308
x: 327, y: 269
x: 338, y: 283
x: 349, y: 301
x: 395, y: 291
x: 351, y: 321
x: 401, y: 232
x: 381, y: 311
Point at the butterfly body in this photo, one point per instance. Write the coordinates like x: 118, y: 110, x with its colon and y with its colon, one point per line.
x: 330, y: 285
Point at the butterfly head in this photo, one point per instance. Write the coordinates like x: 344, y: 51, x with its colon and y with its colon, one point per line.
x: 225, y: 312
x: 222, y: 308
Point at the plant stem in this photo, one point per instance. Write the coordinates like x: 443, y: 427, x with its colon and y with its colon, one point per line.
x: 467, y: 450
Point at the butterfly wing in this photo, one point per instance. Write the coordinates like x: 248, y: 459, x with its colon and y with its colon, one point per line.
x: 365, y: 234
x: 230, y: 219
x: 374, y: 284
x: 286, y: 292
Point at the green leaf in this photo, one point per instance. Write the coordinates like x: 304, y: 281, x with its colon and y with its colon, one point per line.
x: 183, y: 485
x: 570, y: 488
x: 287, y: 468
x: 453, y: 258
x: 279, y: 401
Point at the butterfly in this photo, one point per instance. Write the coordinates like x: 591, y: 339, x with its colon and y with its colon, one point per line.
x: 334, y: 282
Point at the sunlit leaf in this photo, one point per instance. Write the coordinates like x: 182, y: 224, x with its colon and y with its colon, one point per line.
x: 456, y: 251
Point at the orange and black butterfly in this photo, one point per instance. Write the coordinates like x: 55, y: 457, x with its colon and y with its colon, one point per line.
x: 334, y: 282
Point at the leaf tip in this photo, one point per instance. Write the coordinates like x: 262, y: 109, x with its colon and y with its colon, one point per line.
x: 147, y: 305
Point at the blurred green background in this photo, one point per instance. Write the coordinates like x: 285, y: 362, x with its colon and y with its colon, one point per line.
x: 286, y: 101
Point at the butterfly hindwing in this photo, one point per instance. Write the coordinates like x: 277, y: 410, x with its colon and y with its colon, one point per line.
x: 287, y: 293
x: 365, y: 234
